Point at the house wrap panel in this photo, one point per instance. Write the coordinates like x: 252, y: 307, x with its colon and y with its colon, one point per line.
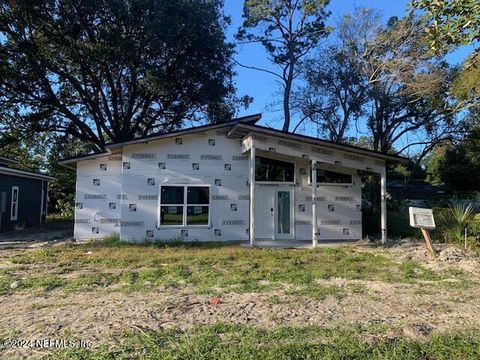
x: 120, y: 193
x: 206, y: 158
x: 97, y: 203
x: 339, y: 215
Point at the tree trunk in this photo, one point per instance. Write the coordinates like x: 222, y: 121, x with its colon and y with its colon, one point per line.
x: 286, y: 98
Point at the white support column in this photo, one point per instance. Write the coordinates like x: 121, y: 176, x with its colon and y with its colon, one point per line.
x: 252, y: 188
x: 314, y: 204
x: 383, y: 205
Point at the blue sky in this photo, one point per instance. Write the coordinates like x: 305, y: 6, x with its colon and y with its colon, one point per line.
x: 262, y: 86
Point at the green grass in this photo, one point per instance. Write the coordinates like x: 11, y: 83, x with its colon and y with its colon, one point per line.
x: 209, y: 267
x: 309, y: 342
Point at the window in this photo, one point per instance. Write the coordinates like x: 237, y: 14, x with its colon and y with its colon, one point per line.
x: 184, y: 205
x: 332, y: 177
x: 14, y: 204
x: 273, y: 170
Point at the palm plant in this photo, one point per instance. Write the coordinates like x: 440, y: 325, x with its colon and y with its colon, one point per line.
x: 456, y: 220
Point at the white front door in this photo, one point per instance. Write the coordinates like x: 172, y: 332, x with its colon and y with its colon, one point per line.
x: 273, y: 211
x: 264, y: 212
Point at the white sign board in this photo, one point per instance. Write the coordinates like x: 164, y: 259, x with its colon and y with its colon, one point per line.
x: 421, y: 218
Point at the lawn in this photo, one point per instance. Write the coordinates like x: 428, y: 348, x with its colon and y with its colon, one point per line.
x: 154, y: 301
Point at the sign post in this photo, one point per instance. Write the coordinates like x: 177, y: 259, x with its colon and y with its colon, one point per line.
x: 423, y: 219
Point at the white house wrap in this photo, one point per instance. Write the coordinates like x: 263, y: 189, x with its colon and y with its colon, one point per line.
x: 196, y: 184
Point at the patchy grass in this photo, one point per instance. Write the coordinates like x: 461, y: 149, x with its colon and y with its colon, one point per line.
x: 209, y: 268
x: 309, y: 342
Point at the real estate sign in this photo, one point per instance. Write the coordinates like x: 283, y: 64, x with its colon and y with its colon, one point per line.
x: 421, y: 218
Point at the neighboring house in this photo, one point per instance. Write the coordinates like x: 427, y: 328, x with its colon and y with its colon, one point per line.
x: 415, y: 192
x: 201, y: 184
x: 23, y: 196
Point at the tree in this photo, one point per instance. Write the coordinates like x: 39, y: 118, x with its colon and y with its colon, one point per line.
x: 288, y: 30
x: 408, y: 90
x: 335, y: 91
x: 450, y: 23
x: 62, y: 191
x: 108, y: 71
x: 457, y: 166
x: 29, y: 154
x: 466, y: 86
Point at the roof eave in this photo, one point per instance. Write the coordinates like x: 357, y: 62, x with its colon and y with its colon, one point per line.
x: 26, y: 174
x: 319, y: 142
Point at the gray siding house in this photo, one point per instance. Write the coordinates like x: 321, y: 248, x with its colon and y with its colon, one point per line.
x: 23, y: 196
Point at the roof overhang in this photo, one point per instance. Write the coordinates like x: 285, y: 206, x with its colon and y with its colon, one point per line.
x: 113, y: 148
x: 7, y: 161
x: 71, y: 163
x: 251, y: 119
x: 24, y: 174
x: 243, y: 130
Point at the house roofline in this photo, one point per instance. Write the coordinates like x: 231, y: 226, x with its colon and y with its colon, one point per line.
x: 247, y: 123
x: 112, y: 147
x: 25, y: 174
x: 250, y: 119
x: 320, y: 142
x: 7, y: 161
x: 73, y: 160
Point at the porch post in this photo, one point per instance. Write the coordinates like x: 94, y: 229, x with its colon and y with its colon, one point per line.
x: 383, y: 205
x: 252, y: 187
x: 314, y: 204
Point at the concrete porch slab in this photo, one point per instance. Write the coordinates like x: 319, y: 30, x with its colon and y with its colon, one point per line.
x: 300, y: 244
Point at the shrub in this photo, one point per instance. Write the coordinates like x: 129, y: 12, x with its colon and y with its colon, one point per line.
x: 453, y: 221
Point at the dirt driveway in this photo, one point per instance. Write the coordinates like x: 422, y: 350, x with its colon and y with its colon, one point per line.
x: 52, y: 231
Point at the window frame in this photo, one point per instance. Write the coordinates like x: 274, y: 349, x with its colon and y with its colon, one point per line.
x: 309, y: 175
x: 12, y: 216
x: 185, y: 206
x: 277, y: 182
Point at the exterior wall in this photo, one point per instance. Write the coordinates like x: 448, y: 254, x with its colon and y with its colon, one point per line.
x: 29, y: 200
x: 97, y: 200
x: 312, y: 152
x: 207, y: 158
x: 119, y: 194
x: 339, y: 209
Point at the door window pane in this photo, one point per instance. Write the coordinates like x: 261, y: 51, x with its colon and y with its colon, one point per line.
x: 273, y: 170
x: 283, y: 198
x: 172, y: 195
x: 198, y: 195
x: 197, y: 215
x: 171, y: 215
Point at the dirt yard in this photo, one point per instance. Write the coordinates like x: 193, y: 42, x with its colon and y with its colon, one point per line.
x: 106, y: 293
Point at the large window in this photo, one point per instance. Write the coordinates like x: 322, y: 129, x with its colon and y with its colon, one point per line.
x: 184, y: 205
x: 332, y: 177
x: 273, y: 170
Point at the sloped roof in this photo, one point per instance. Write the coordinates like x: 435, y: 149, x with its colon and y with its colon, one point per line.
x: 240, y: 127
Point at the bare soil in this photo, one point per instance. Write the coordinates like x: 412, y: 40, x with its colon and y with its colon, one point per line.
x: 414, y: 310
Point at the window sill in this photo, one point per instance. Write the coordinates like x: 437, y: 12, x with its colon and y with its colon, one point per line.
x: 187, y: 227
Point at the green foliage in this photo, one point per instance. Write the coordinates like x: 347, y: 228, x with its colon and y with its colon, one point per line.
x: 454, y: 220
x: 456, y: 166
x: 113, y: 70
x: 466, y: 87
x: 450, y: 23
x: 30, y: 153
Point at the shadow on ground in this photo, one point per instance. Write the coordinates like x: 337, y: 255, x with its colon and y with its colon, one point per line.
x: 53, y: 231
